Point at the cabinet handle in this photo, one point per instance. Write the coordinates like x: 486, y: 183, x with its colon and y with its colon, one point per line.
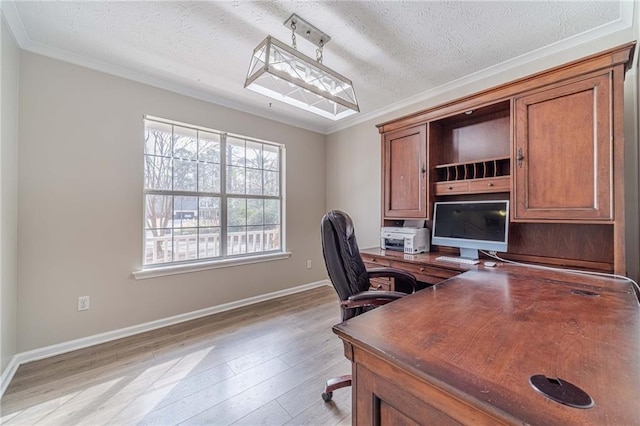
x: 421, y: 269
x: 373, y: 260
x: 423, y: 170
x: 520, y: 157
x: 450, y: 188
x: 490, y: 184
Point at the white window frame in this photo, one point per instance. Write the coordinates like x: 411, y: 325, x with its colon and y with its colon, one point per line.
x: 225, y: 260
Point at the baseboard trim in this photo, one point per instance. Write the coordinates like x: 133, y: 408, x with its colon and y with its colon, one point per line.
x: 8, y: 374
x: 60, y: 348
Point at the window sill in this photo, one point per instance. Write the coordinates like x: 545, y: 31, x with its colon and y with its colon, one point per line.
x: 204, y: 266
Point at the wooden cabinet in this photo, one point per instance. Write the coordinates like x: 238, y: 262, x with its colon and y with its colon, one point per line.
x: 463, y: 352
x: 564, y: 146
x: 470, y: 151
x: 420, y: 265
x: 552, y: 142
x: 404, y: 173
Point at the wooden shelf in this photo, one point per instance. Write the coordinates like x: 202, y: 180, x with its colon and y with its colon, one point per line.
x: 488, y: 175
x: 488, y: 168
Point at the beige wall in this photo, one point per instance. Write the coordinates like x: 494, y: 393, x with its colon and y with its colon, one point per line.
x: 357, y: 149
x: 80, y: 205
x: 10, y: 58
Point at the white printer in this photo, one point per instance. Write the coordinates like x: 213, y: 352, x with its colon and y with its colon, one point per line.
x: 407, y: 239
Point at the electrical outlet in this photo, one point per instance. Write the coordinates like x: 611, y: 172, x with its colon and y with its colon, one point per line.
x: 308, y: 264
x: 83, y: 303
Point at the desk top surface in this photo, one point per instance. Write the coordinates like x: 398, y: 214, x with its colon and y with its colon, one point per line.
x: 482, y: 334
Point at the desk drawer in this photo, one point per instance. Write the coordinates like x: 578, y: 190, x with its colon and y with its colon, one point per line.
x: 373, y: 261
x: 453, y: 187
x: 497, y: 184
x: 380, y: 283
x: 424, y: 273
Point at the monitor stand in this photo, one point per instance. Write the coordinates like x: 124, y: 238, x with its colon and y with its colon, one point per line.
x: 469, y: 253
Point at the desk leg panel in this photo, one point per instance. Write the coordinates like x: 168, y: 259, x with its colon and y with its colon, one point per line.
x: 386, y: 395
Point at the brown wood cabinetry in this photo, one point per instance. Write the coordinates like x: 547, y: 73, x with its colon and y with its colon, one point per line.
x: 470, y: 151
x: 421, y: 265
x: 463, y: 352
x: 553, y: 143
x: 371, y: 261
x: 564, y: 147
x: 404, y: 174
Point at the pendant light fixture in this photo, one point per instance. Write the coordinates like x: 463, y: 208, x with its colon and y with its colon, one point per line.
x: 283, y: 73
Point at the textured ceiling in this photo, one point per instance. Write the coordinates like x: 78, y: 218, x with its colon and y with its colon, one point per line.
x: 390, y: 50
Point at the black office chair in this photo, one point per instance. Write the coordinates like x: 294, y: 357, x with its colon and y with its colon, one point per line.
x: 350, y: 278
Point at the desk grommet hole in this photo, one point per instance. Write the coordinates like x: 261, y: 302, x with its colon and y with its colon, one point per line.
x: 561, y: 391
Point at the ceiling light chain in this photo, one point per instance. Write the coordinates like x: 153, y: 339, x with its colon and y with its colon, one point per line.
x: 319, y: 52
x: 293, y: 35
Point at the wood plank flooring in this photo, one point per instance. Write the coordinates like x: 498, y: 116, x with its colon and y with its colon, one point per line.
x: 261, y: 364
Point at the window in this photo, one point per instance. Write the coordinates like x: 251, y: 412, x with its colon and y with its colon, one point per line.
x: 209, y: 195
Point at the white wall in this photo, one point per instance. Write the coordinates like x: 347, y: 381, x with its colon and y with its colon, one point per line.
x: 10, y: 57
x: 80, y: 205
x: 356, y: 150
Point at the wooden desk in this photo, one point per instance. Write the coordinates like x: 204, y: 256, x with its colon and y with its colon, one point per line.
x: 462, y: 352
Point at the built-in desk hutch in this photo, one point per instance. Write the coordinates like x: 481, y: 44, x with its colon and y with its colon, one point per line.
x: 551, y: 143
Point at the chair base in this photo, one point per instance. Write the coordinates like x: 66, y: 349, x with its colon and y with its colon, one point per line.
x: 333, y: 384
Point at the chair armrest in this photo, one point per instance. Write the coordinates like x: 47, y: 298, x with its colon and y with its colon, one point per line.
x: 398, y: 274
x: 371, y: 298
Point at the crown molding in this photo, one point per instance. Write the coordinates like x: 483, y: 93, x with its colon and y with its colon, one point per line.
x: 17, y: 27
x: 456, y: 87
x: 14, y: 22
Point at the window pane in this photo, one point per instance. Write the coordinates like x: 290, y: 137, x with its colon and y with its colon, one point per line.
x: 271, y: 183
x: 185, y: 222
x: 209, y: 213
x: 157, y: 139
x: 208, y: 177
x: 185, y: 212
x: 272, y: 212
x: 185, y: 143
x: 209, y: 147
x: 271, y: 156
x: 157, y: 211
x: 236, y: 240
x: 184, y: 175
x: 236, y: 212
x: 272, y: 237
x: 255, y: 212
x: 208, y: 242
x: 254, y: 182
x: 157, y: 246
x: 235, y: 180
x: 157, y: 172
x: 255, y: 239
x: 254, y: 155
x: 235, y: 152
x: 185, y: 244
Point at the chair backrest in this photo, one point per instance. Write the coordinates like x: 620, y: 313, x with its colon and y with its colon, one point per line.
x: 342, y: 258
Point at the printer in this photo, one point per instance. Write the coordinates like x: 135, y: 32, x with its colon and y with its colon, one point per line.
x: 407, y: 239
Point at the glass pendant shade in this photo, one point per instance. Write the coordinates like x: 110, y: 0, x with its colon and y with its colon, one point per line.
x: 284, y: 74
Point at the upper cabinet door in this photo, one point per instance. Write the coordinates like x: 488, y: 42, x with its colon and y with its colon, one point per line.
x: 405, y: 173
x: 562, y: 153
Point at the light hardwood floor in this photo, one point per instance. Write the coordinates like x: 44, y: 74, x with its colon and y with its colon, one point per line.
x: 260, y: 364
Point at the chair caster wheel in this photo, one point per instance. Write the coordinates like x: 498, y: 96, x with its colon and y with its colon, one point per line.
x: 326, y: 396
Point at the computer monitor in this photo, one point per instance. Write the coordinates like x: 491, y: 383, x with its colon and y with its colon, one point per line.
x: 471, y: 226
